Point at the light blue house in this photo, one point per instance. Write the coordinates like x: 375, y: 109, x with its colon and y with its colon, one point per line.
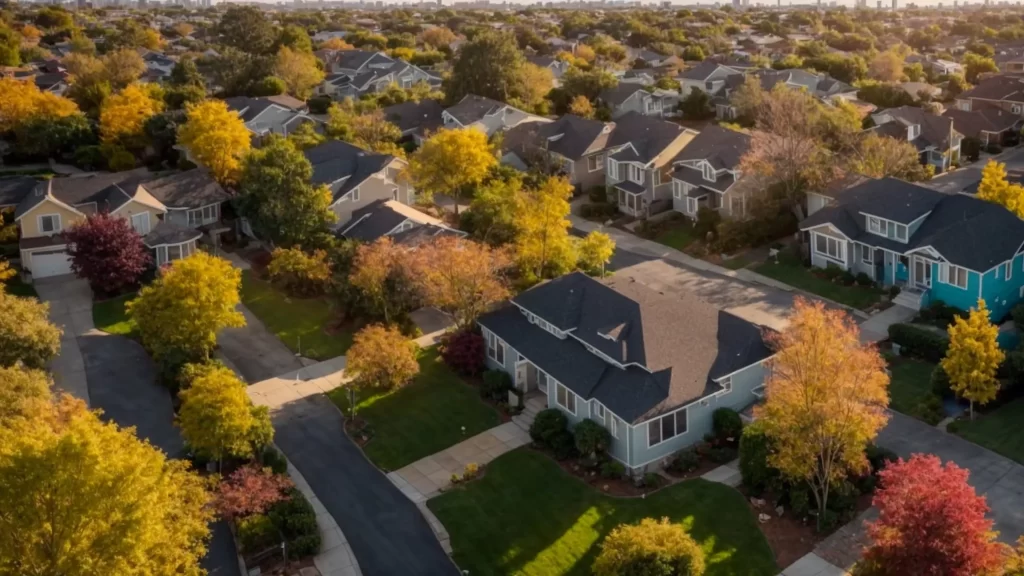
x: 952, y: 248
x: 650, y: 368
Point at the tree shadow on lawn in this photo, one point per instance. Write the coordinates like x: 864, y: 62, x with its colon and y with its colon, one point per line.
x: 527, y: 516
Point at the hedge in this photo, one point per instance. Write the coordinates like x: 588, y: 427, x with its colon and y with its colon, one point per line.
x: 919, y: 342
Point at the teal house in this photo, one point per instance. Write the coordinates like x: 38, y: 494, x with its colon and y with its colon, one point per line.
x: 952, y: 248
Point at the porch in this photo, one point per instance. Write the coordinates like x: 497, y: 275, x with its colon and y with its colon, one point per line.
x: 631, y: 200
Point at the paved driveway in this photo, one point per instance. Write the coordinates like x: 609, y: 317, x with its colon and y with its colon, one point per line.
x: 254, y: 352
x: 1001, y: 480
x: 387, y: 533
x: 70, y: 303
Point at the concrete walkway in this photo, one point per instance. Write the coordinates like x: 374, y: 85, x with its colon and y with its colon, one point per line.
x: 876, y: 328
x: 70, y: 301
x: 813, y: 565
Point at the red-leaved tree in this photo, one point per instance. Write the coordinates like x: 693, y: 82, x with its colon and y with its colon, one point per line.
x: 930, y: 522
x: 108, y: 252
x: 250, y: 490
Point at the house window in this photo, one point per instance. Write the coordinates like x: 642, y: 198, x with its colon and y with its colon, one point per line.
x: 599, y: 411
x: 829, y: 247
x: 954, y: 275
x: 140, y: 222
x: 565, y: 398
x: 636, y: 174
x: 691, y: 205
x: 915, y: 131
x: 867, y: 254
x: 613, y: 169
x: 613, y: 425
x: 677, y: 189
x: 666, y: 427
x: 901, y: 232
x: 709, y: 172
x: 203, y: 215
x: 726, y: 384
x: 875, y: 225
x: 1009, y: 270
x: 595, y: 162
x: 736, y: 205
x: 1017, y: 108
x: 49, y: 223
x: 495, y: 348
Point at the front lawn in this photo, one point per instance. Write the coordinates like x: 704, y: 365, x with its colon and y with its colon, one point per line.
x: 678, y: 236
x: 301, y: 323
x: 998, y: 430
x: 910, y: 390
x: 790, y: 270
x: 423, y: 418
x: 110, y: 316
x: 528, y: 516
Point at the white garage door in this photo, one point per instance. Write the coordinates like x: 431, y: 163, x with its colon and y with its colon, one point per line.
x: 45, y: 264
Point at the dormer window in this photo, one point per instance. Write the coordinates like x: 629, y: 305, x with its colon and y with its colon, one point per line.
x: 913, y: 131
x: 709, y: 172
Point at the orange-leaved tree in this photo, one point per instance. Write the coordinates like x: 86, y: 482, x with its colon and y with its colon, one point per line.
x: 462, y: 277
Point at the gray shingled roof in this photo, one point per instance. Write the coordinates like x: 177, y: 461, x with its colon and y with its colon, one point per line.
x: 165, y: 233
x: 14, y: 189
x: 616, y: 96
x: 421, y: 116
x: 190, y: 189
x: 649, y: 136
x: 722, y: 147
x: 473, y: 108
x: 334, y: 160
x: 570, y: 136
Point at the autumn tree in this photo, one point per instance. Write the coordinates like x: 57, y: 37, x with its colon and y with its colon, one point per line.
x: 192, y: 300
x: 250, y: 490
x: 494, y: 209
x: 930, y: 521
x: 216, y: 137
x: 383, y: 273
x: 975, y: 65
x: 650, y: 547
x: 886, y: 66
x: 879, y: 157
x: 305, y: 136
x: 438, y: 37
x: 124, y: 115
x: 826, y: 399
x: 335, y: 44
x: 581, y: 106
x: 218, y: 419
x: 533, y: 85
x: 995, y: 188
x: 299, y: 71
x: 10, y: 44
x: 367, y: 129
x: 381, y: 357
x: 81, y: 496
x: 450, y: 162
x: 461, y: 277
x: 108, y: 252
x: 24, y: 393
x: 26, y: 334
x: 595, y: 251
x: 278, y: 198
x: 21, y: 101
x: 973, y: 357
x: 543, y: 244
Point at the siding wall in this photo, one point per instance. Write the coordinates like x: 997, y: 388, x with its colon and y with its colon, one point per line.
x: 954, y: 295
x: 29, y: 221
x: 372, y: 189
x: 1001, y: 294
x: 584, y: 177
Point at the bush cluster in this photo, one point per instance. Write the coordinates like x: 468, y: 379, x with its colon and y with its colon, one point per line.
x: 919, y: 342
x: 300, y: 273
x: 463, y: 352
x: 293, y: 518
x: 495, y: 386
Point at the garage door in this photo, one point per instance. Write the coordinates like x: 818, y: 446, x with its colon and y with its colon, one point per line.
x: 45, y: 264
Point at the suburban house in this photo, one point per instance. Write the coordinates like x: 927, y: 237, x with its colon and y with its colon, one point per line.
x: 404, y: 224
x: 821, y: 86
x: 353, y: 73
x: 485, y: 114
x: 648, y: 58
x: 1006, y: 92
x: 357, y: 178
x: 937, y: 142
x: 416, y: 119
x: 952, y: 248
x: 707, y: 173
x: 640, y: 154
x: 1010, y: 61
x: 270, y: 115
x: 558, y: 67
x: 708, y: 76
x: 988, y: 125
x: 576, y: 145
x: 651, y: 368
x: 628, y: 97
x: 170, y: 230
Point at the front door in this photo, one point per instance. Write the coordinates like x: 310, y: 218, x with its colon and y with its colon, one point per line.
x: 521, y: 375
x: 922, y: 273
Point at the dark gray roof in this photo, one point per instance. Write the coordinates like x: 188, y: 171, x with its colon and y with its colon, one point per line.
x: 700, y: 71
x: 696, y: 178
x: 935, y: 130
x: 423, y: 233
x: 334, y: 160
x: 167, y: 233
x: 417, y: 116
x: 985, y: 118
x: 966, y: 231
x: 649, y: 136
x: 615, y: 97
x: 631, y: 187
x: 373, y: 221
x: 570, y: 136
x: 353, y: 59
x: 722, y: 147
x: 191, y: 189
x: 473, y: 108
x: 683, y: 342
x: 1002, y: 87
x: 14, y: 189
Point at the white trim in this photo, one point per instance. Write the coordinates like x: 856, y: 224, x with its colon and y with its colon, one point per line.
x: 946, y: 271
x: 58, y: 228
x: 599, y: 157
x: 840, y: 257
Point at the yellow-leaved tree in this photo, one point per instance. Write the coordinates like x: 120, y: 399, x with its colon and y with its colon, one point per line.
x: 298, y: 70
x: 995, y: 188
x: 973, y: 357
x: 79, y: 497
x: 450, y: 162
x: 123, y: 116
x: 543, y: 243
x: 826, y: 399
x: 595, y: 251
x: 216, y: 137
x: 24, y: 393
x: 182, y: 311
x: 218, y: 419
x: 26, y: 333
x: 21, y: 100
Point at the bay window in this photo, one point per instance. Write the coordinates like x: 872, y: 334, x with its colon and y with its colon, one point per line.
x: 666, y: 427
x: 830, y: 247
x: 954, y: 275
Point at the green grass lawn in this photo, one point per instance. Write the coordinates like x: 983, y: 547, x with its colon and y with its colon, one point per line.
x: 527, y: 516
x: 998, y: 430
x: 911, y: 386
x: 679, y: 236
x: 790, y: 270
x: 110, y: 317
x: 422, y: 418
x: 299, y: 322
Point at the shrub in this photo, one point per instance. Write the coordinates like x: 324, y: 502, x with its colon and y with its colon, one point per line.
x: 721, y: 454
x: 733, y: 235
x: 256, y: 533
x: 847, y: 278
x: 842, y: 500
x: 1014, y: 367
x: 591, y: 438
x: 799, y: 496
x: 707, y: 222
x: 319, y: 104
x: 684, y: 461
x: 496, y: 385
x: 471, y: 471
x: 272, y: 458
x: 755, y: 446
x: 864, y: 280
x: 599, y: 211
x: 548, y: 424
x: 463, y: 352
x: 930, y: 410
x: 919, y: 342
x: 611, y: 469
x: 879, y: 457
x: 598, y: 194
x: 994, y: 149
x: 650, y: 548
x: 941, y: 315
x: 727, y: 424
x: 1018, y: 317
x: 563, y: 445
x: 299, y: 273
x: 296, y: 520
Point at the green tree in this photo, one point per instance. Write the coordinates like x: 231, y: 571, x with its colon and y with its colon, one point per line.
x: 186, y: 73
x: 489, y: 65
x: 246, y: 28
x: 650, y: 548
x: 51, y: 137
x: 305, y: 136
x: 278, y: 198
x: 10, y: 44
x: 26, y: 334
x: 182, y: 311
x: 218, y: 419
x: 975, y: 65
x: 696, y: 105
x: 495, y: 203
x: 451, y: 162
x: 973, y: 357
x: 296, y: 38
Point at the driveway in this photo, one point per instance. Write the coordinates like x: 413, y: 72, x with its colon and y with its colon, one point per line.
x: 254, y: 352
x: 70, y: 303
x: 386, y: 531
x: 999, y: 479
